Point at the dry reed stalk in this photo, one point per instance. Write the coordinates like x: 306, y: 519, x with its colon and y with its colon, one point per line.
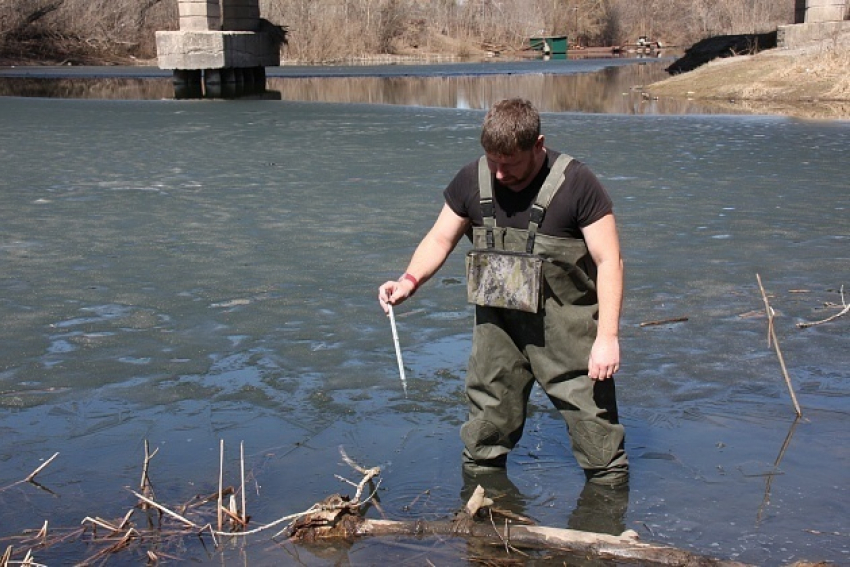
x: 145, y: 483
x: 32, y: 475
x: 220, y: 484
x: 313, y: 509
x: 771, y: 337
x: 43, y: 543
x: 233, y: 514
x: 40, y: 468
x: 210, y: 529
x: 165, y: 510
x: 100, y: 522
x: 117, y: 546
x: 27, y: 561
x: 242, y: 466
x: 238, y: 520
x: 125, y: 519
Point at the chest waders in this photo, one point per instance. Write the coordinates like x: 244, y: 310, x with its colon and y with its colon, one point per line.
x: 512, y: 349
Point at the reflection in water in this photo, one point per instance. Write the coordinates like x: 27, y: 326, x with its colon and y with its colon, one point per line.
x: 601, y: 509
x: 498, y: 487
x: 99, y: 89
x: 227, y: 91
x: 611, y: 90
x: 769, y: 476
x: 616, y: 89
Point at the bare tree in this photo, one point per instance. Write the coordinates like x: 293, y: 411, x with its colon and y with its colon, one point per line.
x: 326, y: 30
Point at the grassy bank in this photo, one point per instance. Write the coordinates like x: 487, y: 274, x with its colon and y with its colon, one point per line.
x: 811, y: 81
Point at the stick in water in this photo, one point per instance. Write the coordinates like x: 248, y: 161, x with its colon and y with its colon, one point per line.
x: 398, y: 351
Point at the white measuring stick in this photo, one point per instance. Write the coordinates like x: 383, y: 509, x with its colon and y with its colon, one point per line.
x: 397, y: 350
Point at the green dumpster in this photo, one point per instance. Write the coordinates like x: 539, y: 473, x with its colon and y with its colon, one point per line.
x: 551, y: 44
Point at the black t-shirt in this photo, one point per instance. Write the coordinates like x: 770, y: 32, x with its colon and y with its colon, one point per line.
x: 581, y: 200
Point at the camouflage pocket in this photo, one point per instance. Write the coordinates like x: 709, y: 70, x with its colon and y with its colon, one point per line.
x: 511, y: 280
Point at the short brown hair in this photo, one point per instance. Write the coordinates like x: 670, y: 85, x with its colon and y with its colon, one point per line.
x: 511, y: 125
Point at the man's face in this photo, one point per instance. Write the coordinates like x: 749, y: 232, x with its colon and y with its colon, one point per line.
x: 516, y: 170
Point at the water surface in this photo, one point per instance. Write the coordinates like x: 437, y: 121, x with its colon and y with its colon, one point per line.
x: 186, y: 272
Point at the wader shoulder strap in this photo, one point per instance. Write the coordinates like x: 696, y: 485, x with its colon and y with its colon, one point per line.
x: 553, y: 182
x: 488, y: 212
x: 485, y: 194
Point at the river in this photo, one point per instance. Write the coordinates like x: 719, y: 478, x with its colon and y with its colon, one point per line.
x: 192, y: 273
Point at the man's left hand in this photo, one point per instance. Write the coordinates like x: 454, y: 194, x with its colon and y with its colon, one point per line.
x: 604, y: 358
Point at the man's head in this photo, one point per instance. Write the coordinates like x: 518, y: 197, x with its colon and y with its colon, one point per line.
x: 511, y: 125
x: 512, y: 142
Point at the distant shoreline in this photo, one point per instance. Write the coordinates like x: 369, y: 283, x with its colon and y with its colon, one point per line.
x: 809, y: 82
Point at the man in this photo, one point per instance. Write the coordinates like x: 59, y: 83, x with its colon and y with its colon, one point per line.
x: 569, y: 342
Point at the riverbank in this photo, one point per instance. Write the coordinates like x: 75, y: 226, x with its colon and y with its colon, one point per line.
x: 806, y: 82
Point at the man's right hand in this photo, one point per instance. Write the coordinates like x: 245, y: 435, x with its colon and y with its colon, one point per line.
x: 427, y: 259
x: 394, y: 293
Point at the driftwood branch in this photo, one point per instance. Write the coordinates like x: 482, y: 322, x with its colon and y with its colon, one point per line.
x: 771, y: 337
x: 844, y: 311
x: 664, y: 321
x: 625, y: 547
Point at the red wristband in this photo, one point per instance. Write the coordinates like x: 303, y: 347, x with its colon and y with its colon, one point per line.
x: 411, y: 279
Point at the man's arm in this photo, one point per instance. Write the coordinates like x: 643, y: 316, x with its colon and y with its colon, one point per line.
x: 604, y: 245
x: 429, y: 256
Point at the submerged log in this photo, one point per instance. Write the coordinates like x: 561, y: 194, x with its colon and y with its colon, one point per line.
x: 337, y: 520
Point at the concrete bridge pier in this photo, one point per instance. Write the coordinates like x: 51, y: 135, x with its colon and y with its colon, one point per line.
x: 223, y: 48
x: 815, y: 20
